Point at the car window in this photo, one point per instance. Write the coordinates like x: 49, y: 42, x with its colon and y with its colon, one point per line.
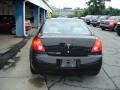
x: 95, y: 17
x: 103, y: 17
x: 118, y: 18
x: 88, y: 16
x: 111, y: 18
x: 115, y: 18
x: 68, y: 27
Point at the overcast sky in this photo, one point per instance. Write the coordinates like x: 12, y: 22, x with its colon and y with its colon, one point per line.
x: 80, y: 3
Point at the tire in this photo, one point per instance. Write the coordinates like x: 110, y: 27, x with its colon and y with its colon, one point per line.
x: 33, y: 71
x: 88, y: 23
x: 103, y: 29
x: 118, y: 32
x: 97, y: 69
x: 94, y: 25
x: 96, y: 72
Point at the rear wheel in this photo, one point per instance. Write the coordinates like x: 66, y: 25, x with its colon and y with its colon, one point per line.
x: 96, y: 70
x: 103, y: 29
x: 94, y: 25
x: 33, y: 71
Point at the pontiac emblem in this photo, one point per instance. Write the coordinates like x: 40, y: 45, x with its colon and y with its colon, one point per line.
x: 68, y: 46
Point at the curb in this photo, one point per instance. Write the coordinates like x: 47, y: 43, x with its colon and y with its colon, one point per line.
x: 12, y: 52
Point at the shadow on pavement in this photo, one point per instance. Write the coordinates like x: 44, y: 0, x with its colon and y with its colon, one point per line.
x: 37, y: 81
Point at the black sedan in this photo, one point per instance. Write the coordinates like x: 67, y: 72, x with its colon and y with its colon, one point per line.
x: 65, y: 45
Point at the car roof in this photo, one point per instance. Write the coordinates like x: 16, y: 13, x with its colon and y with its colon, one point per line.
x: 64, y: 19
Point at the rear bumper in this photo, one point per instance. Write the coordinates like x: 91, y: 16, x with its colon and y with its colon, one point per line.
x: 47, y: 64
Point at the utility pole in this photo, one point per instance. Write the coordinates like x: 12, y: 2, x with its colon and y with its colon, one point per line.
x: 59, y: 9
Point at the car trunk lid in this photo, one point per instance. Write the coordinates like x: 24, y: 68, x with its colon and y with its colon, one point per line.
x: 68, y: 45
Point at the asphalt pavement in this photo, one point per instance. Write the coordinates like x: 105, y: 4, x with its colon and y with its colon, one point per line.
x: 16, y: 74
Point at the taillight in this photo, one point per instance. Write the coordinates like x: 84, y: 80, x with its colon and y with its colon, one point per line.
x: 37, y: 45
x: 97, y: 47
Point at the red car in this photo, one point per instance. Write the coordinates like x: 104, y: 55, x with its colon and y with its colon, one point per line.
x: 7, y: 24
x: 109, y: 24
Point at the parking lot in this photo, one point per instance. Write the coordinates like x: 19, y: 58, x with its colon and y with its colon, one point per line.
x: 16, y: 73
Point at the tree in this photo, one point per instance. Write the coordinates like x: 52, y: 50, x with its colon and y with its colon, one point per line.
x: 77, y: 12
x: 113, y: 11
x: 96, y: 7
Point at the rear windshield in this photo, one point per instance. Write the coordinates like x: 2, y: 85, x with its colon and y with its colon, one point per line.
x: 103, y: 17
x: 65, y: 27
x: 95, y: 17
x: 88, y: 16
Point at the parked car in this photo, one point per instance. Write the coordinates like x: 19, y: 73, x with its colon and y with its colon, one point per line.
x: 88, y: 19
x: 117, y: 28
x: 7, y: 22
x: 109, y: 24
x: 64, y: 45
x: 94, y: 20
x: 97, y: 21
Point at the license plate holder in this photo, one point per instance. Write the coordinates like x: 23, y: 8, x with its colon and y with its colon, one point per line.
x: 68, y: 63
